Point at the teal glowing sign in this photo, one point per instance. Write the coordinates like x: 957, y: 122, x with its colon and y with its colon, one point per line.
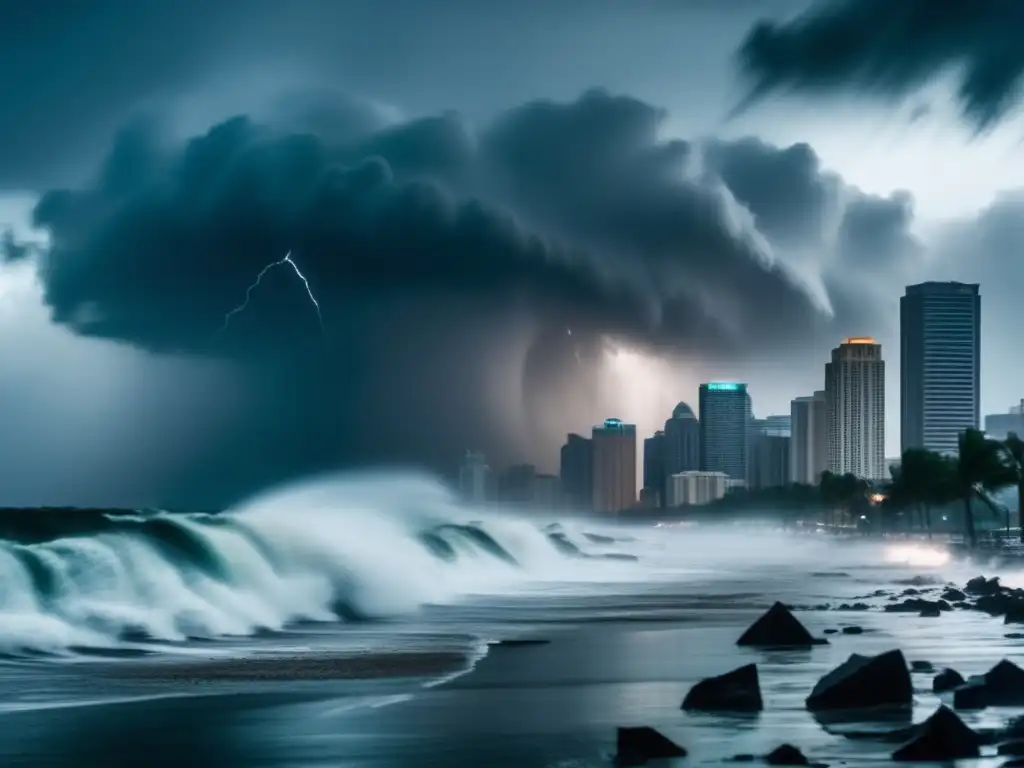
x: 724, y: 386
x: 612, y: 423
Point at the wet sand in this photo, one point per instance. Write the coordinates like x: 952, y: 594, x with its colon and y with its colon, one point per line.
x: 294, y: 668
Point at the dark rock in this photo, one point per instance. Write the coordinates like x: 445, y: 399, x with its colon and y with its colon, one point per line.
x: 1014, y: 613
x: 941, y: 737
x: 953, y: 595
x: 907, y: 592
x: 736, y: 691
x: 1018, y: 763
x: 1014, y: 748
x: 947, y: 680
x: 853, y: 630
x: 597, y: 538
x: 979, y: 585
x: 778, y: 628
x: 853, y: 607
x: 1003, y: 685
x: 961, y: 605
x: 919, y: 605
x: 994, y: 605
x: 1015, y: 635
x: 786, y: 754
x: 862, y: 682
x: 743, y: 758
x: 635, y: 746
x: 931, y: 612
x: 922, y: 666
x: 831, y: 631
x: 970, y: 695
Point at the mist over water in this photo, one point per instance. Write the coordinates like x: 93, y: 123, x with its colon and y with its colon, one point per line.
x: 349, y: 548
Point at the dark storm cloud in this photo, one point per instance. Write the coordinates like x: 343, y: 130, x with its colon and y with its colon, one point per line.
x: 447, y: 263
x: 875, y: 233
x: 799, y: 205
x: 578, y: 208
x: 793, y: 200
x: 892, y: 48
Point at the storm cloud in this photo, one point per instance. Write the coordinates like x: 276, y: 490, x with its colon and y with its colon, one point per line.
x: 469, y: 278
x: 892, y: 49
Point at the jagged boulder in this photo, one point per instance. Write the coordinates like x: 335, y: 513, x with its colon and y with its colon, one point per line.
x: 863, y: 682
x: 736, y: 691
x: 953, y: 595
x: 786, y: 754
x: 940, y: 738
x: 778, y: 628
x: 635, y: 746
x: 1003, y: 685
x: 979, y: 585
x: 947, y: 680
x: 1013, y: 748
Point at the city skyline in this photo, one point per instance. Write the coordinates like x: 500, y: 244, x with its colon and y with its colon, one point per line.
x: 509, y: 226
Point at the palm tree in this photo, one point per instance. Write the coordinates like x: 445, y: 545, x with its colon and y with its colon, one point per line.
x: 1015, y: 448
x: 981, y: 465
x: 920, y: 481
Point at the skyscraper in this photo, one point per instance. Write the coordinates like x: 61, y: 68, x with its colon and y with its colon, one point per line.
x: 654, y: 467
x: 682, y: 441
x: 614, y: 467
x: 855, y: 400
x: 772, y: 461
x: 576, y: 472
x: 809, y: 439
x: 724, y: 422
x: 940, y: 370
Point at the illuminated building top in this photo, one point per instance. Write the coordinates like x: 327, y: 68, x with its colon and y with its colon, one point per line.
x: 860, y: 340
x: 725, y: 386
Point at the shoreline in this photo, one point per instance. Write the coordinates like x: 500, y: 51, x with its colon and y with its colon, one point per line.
x: 301, y: 667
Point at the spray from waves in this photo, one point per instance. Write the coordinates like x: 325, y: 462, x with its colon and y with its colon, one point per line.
x: 341, y: 548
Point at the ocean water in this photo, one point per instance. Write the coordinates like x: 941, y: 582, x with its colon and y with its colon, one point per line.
x: 350, y: 620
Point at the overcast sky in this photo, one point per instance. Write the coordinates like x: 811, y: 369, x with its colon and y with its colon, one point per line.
x: 518, y: 218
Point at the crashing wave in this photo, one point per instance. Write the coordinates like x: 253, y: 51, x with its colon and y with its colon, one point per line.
x: 335, y: 549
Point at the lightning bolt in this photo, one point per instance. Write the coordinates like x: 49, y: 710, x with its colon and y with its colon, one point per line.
x: 259, y: 278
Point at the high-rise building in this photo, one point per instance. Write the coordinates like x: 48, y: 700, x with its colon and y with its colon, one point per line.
x: 725, y: 416
x: 473, y: 477
x: 654, y: 468
x: 614, y: 467
x: 780, y: 425
x: 999, y: 425
x: 772, y: 461
x: 940, y: 364
x: 696, y: 488
x: 808, y: 444
x: 576, y: 472
x: 855, y: 399
x: 682, y: 441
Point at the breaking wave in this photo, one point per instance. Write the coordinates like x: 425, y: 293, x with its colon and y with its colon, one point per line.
x: 335, y: 549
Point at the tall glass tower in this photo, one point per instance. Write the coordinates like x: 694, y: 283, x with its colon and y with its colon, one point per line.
x: 940, y: 364
x: 724, y: 425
